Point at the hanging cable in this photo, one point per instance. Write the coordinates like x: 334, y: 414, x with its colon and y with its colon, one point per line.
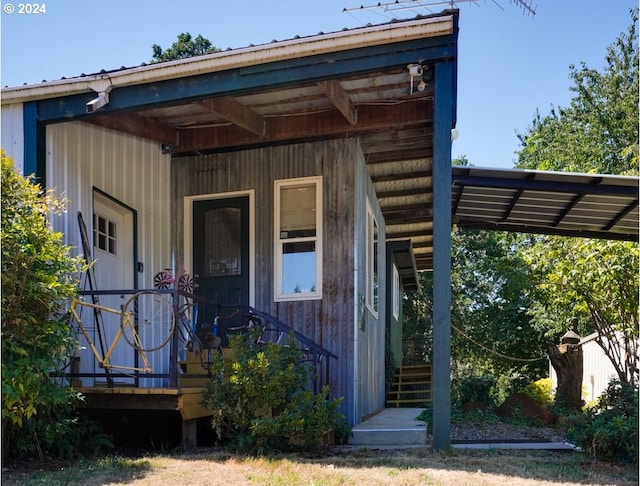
x: 525, y: 360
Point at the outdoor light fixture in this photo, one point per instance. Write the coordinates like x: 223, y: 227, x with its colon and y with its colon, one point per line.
x: 95, y: 104
x: 102, y: 87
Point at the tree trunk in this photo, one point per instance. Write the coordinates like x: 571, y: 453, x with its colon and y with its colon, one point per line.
x: 566, y: 359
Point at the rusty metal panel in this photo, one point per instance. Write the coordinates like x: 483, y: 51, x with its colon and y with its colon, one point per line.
x: 330, y: 321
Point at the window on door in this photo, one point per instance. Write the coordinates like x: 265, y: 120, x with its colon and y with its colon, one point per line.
x: 298, y: 239
x: 104, y: 234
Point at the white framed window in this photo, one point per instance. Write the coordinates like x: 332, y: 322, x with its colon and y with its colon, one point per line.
x: 372, y: 261
x: 395, y: 296
x: 104, y: 234
x: 298, y: 239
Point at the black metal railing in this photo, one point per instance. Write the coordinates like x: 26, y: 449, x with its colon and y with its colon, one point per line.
x: 271, y: 329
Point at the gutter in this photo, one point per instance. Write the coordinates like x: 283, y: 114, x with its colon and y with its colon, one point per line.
x: 234, y: 59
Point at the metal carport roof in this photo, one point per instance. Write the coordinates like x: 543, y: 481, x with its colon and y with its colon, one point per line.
x: 554, y: 203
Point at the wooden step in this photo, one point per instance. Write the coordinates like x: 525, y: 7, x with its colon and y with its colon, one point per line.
x: 412, y: 385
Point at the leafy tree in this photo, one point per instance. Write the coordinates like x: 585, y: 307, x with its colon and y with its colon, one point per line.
x: 598, y: 132
x: 37, y: 278
x: 183, y: 48
x: 592, y: 280
x: 596, y: 283
x: 491, y: 333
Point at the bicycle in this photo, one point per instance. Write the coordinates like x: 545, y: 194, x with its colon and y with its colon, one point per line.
x: 164, y: 279
x: 126, y: 328
x: 154, y: 320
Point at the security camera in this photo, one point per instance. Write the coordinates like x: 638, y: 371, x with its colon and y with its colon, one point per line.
x: 97, y: 103
x: 415, y: 70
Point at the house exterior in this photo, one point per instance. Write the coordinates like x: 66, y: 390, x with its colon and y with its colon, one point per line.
x: 308, y: 178
x: 294, y: 177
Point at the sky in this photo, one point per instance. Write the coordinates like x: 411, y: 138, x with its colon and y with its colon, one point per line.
x: 510, y: 63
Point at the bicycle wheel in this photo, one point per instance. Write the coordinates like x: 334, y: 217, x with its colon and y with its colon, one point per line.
x: 185, y: 283
x: 162, y: 280
x: 185, y: 327
x: 151, y: 314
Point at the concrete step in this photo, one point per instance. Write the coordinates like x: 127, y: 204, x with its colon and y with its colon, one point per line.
x: 391, y: 427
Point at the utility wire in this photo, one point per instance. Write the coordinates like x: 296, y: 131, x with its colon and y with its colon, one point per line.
x: 525, y: 360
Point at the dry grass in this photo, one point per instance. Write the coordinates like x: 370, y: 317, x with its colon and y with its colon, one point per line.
x: 334, y: 466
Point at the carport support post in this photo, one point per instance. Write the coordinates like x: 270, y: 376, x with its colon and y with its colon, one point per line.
x: 443, y: 122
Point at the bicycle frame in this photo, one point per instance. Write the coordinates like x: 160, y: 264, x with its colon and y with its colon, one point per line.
x: 104, y: 361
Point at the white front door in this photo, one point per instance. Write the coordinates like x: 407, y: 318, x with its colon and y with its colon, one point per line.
x: 113, y: 269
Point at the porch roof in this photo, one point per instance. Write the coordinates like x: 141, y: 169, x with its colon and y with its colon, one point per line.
x: 352, y: 83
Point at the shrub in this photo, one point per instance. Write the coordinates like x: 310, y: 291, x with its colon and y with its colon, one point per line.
x: 259, y: 401
x: 473, y: 389
x: 609, y: 430
x: 540, y: 391
x: 37, y: 279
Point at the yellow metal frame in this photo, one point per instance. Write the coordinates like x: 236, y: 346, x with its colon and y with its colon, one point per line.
x: 125, y: 321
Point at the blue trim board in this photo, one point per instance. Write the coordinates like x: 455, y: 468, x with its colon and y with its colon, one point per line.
x: 260, y: 77
x: 34, y: 144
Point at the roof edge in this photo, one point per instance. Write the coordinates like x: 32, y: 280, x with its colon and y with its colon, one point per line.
x: 432, y: 26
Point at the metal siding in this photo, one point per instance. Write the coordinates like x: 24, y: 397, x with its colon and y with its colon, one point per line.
x: 370, y: 363
x: 132, y: 170
x: 597, y: 370
x: 12, y: 138
x: 329, y: 321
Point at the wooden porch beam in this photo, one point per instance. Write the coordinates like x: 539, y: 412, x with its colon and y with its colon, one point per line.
x: 237, y: 114
x: 340, y: 99
x: 307, y: 127
x: 137, y: 125
x: 380, y: 157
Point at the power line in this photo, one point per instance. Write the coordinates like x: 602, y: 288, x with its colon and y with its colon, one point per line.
x: 524, y: 360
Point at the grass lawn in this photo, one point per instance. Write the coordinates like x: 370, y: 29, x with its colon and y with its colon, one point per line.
x: 331, y: 466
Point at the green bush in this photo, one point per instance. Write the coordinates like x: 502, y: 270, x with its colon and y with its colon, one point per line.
x: 540, y: 391
x: 473, y: 389
x: 259, y: 401
x: 609, y: 430
x: 37, y: 279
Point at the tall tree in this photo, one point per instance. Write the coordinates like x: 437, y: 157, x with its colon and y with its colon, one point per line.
x: 592, y: 280
x: 598, y: 132
x: 184, y: 47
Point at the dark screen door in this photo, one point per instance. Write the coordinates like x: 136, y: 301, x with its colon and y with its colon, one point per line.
x: 221, y: 260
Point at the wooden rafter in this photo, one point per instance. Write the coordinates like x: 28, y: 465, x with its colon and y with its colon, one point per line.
x: 138, y: 125
x: 307, y: 126
x: 237, y: 114
x: 340, y: 99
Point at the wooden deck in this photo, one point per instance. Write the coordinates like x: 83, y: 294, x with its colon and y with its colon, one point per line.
x: 184, y: 400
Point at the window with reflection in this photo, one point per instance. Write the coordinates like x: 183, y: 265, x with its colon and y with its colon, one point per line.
x: 298, y: 226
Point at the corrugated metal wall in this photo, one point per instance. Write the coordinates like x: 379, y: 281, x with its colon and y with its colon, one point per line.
x: 13, y: 133
x: 369, y: 342
x: 81, y: 157
x: 597, y: 370
x: 330, y: 321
